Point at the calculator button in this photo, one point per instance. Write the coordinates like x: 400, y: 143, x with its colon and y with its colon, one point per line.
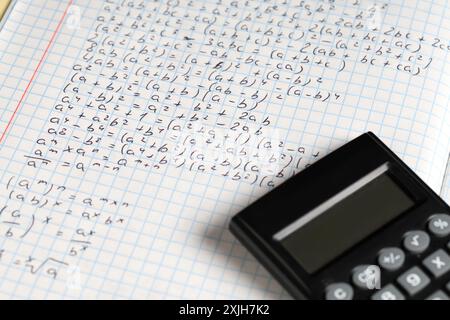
x: 389, y: 292
x: 339, y: 291
x: 416, y: 241
x: 366, y: 277
x: 448, y: 287
x: 413, y: 280
x: 438, y: 263
x: 391, y: 258
x: 439, y: 225
x: 438, y: 295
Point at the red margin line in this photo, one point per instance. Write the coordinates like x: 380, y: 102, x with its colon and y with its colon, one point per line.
x: 35, y: 72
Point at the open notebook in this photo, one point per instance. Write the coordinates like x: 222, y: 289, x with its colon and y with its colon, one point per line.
x: 133, y: 130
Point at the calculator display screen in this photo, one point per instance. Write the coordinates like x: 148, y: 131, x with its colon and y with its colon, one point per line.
x: 346, y: 222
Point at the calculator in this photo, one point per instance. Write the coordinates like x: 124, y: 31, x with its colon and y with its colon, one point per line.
x: 357, y: 224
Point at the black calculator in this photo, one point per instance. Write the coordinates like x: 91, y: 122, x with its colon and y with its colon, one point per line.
x: 357, y: 224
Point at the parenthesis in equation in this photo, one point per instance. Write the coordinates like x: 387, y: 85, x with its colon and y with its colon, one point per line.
x: 162, y: 53
x: 65, y: 88
x: 105, y: 40
x: 168, y: 125
x: 298, y: 162
x: 256, y: 179
x: 239, y: 164
x: 272, y: 53
x: 245, y: 166
x: 182, y: 164
x: 262, y: 180
x: 288, y: 163
x: 122, y: 149
x: 418, y: 48
x: 288, y: 92
x: 43, y: 204
x: 204, y: 96
x: 9, y: 182
x: 321, y: 30
x: 185, y: 139
x: 122, y: 139
x: 259, y: 143
x: 196, y: 95
x: 191, y: 156
x: 49, y: 190
x: 237, y: 138
x: 136, y: 73
x: 211, y: 74
x: 300, y: 71
x: 343, y: 66
x: 30, y: 227
x: 124, y: 59
x: 187, y: 58
x: 244, y: 142
x: 210, y: 88
x: 147, y: 87
x: 229, y: 67
x: 72, y: 79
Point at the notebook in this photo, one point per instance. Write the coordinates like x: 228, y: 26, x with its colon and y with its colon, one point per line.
x: 132, y: 131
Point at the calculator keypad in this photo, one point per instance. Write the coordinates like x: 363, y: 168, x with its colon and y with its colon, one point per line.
x: 438, y: 295
x: 413, y: 280
x: 439, y: 225
x: 339, y: 291
x: 410, y: 282
x: 438, y: 263
x: 391, y: 258
x: 389, y: 292
x: 416, y: 241
x: 363, y: 277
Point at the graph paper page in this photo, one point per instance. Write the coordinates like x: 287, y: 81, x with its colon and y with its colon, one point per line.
x: 132, y: 132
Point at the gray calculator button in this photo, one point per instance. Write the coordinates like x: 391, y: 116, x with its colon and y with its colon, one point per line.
x: 448, y: 287
x: 339, y: 291
x: 438, y: 295
x: 389, y: 292
x: 391, y: 258
x: 416, y: 241
x: 366, y: 277
x: 438, y: 263
x: 413, y: 280
x: 439, y: 225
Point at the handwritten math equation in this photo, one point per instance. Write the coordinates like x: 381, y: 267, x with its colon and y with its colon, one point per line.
x: 153, y: 74
x: 38, y: 207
